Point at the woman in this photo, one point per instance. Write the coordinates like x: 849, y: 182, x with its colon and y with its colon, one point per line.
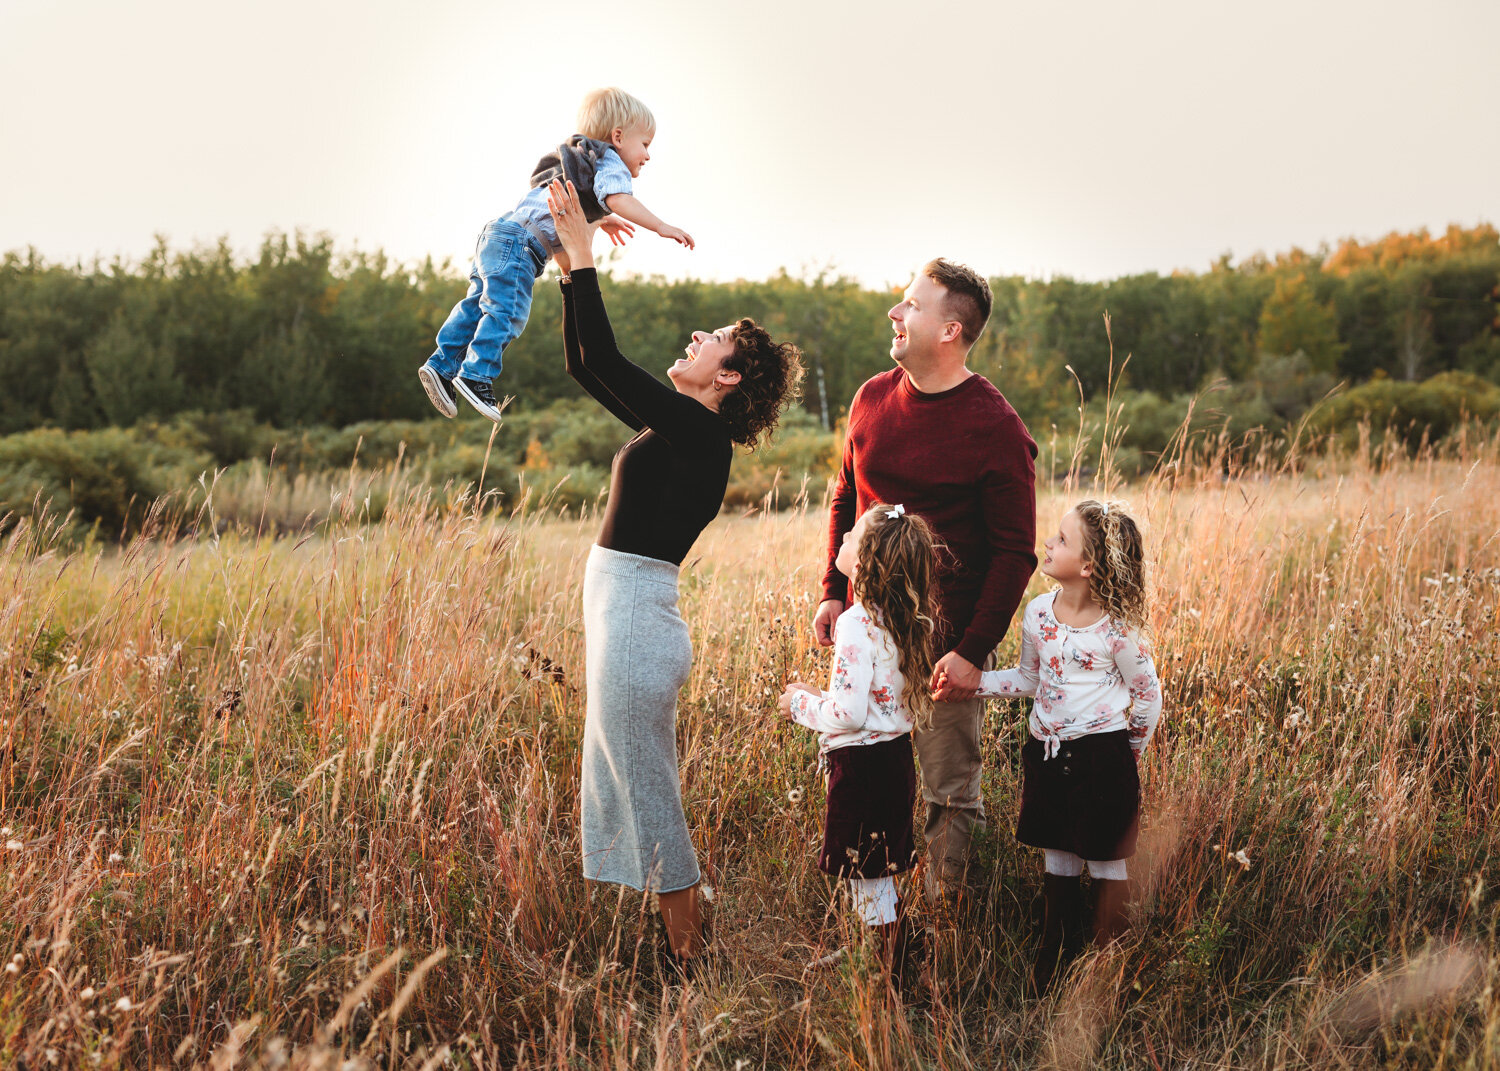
x: 666, y: 485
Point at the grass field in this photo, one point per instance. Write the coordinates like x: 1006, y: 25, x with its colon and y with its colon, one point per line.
x: 300, y: 801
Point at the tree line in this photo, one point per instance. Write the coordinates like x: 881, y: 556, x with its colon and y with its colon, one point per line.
x: 305, y: 335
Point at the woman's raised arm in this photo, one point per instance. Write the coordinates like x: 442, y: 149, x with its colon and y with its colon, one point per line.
x: 581, y: 375
x: 684, y: 422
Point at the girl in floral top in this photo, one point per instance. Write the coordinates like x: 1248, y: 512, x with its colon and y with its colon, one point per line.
x: 864, y: 720
x: 1087, y: 663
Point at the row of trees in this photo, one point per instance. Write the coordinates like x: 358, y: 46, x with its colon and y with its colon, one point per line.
x: 304, y: 335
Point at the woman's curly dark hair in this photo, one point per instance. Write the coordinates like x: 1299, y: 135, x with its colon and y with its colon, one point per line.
x: 770, y: 377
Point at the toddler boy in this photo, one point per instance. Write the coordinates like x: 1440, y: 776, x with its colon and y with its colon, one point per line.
x: 615, y: 132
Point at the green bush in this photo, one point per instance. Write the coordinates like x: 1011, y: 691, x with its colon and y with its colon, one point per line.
x: 465, y: 463
x: 1414, y: 412
x: 1290, y: 386
x: 228, y: 436
x: 1148, y: 423
x: 373, y: 444
x: 573, y: 432
x: 569, y: 489
x: 107, y: 479
x: 799, y: 449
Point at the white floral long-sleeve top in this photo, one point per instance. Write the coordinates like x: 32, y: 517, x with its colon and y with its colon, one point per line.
x: 1095, y: 679
x: 863, y: 703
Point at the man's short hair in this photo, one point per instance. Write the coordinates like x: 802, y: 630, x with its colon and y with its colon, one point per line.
x: 604, y: 110
x: 969, y: 299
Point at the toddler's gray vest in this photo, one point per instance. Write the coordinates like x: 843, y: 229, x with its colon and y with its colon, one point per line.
x: 575, y: 160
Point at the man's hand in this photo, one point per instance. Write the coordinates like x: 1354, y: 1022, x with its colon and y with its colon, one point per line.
x: 954, y: 678
x: 677, y: 234
x: 618, y: 229
x: 828, y: 613
x: 785, y: 702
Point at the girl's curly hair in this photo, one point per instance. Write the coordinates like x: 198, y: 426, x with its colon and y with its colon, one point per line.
x: 770, y: 376
x: 897, y: 578
x: 1113, y: 549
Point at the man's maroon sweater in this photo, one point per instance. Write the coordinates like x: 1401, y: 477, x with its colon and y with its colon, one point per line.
x: 962, y: 460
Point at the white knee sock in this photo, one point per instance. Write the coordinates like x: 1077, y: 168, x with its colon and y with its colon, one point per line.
x: 1063, y: 864
x: 874, y: 900
x: 1109, y: 870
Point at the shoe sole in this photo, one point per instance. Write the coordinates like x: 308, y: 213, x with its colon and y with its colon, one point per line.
x: 469, y: 396
x: 433, y: 385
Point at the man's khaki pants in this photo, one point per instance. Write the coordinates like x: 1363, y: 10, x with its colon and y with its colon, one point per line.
x: 948, y: 751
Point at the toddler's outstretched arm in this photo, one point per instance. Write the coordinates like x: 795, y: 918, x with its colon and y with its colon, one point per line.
x: 627, y: 206
x: 1022, y: 679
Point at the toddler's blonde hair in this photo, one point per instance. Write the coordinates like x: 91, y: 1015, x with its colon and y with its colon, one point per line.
x: 603, y: 110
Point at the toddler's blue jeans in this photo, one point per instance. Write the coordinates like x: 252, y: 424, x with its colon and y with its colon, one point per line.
x: 507, y: 261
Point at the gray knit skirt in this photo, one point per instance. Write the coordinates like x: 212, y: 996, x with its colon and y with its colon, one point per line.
x: 638, y: 657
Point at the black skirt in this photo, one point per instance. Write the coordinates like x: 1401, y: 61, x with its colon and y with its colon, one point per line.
x: 871, y: 791
x: 1086, y: 799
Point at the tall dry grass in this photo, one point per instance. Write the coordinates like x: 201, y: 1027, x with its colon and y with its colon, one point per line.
x: 310, y: 800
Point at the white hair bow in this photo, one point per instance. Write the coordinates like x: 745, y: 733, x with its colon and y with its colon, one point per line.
x: 898, y: 510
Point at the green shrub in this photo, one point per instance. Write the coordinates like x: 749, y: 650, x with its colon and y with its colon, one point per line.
x: 465, y: 463
x: 1148, y: 423
x: 800, y: 450
x: 1291, y: 385
x: 575, y: 432
x: 571, y: 489
x: 107, y: 479
x: 1411, y: 411
x: 228, y: 436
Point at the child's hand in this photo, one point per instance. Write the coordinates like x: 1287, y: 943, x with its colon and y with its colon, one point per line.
x: 618, y: 229
x: 785, y: 702
x: 678, y: 235
x: 954, y: 678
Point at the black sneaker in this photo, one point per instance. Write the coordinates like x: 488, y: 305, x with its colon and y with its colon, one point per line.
x: 480, y: 395
x: 439, y: 390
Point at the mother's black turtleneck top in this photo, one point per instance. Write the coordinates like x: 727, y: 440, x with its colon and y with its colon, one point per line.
x: 668, y: 482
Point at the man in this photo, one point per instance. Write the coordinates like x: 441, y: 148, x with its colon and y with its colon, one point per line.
x: 943, y: 442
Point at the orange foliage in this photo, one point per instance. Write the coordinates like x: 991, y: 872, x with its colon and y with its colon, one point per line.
x: 1396, y: 248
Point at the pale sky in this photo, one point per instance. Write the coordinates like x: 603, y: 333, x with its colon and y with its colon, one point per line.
x: 1089, y: 139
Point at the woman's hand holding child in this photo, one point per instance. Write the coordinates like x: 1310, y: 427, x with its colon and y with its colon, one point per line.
x: 573, y: 230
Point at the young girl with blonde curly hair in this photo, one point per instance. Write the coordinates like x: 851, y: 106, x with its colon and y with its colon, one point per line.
x: 1086, y: 661
x: 878, y: 692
